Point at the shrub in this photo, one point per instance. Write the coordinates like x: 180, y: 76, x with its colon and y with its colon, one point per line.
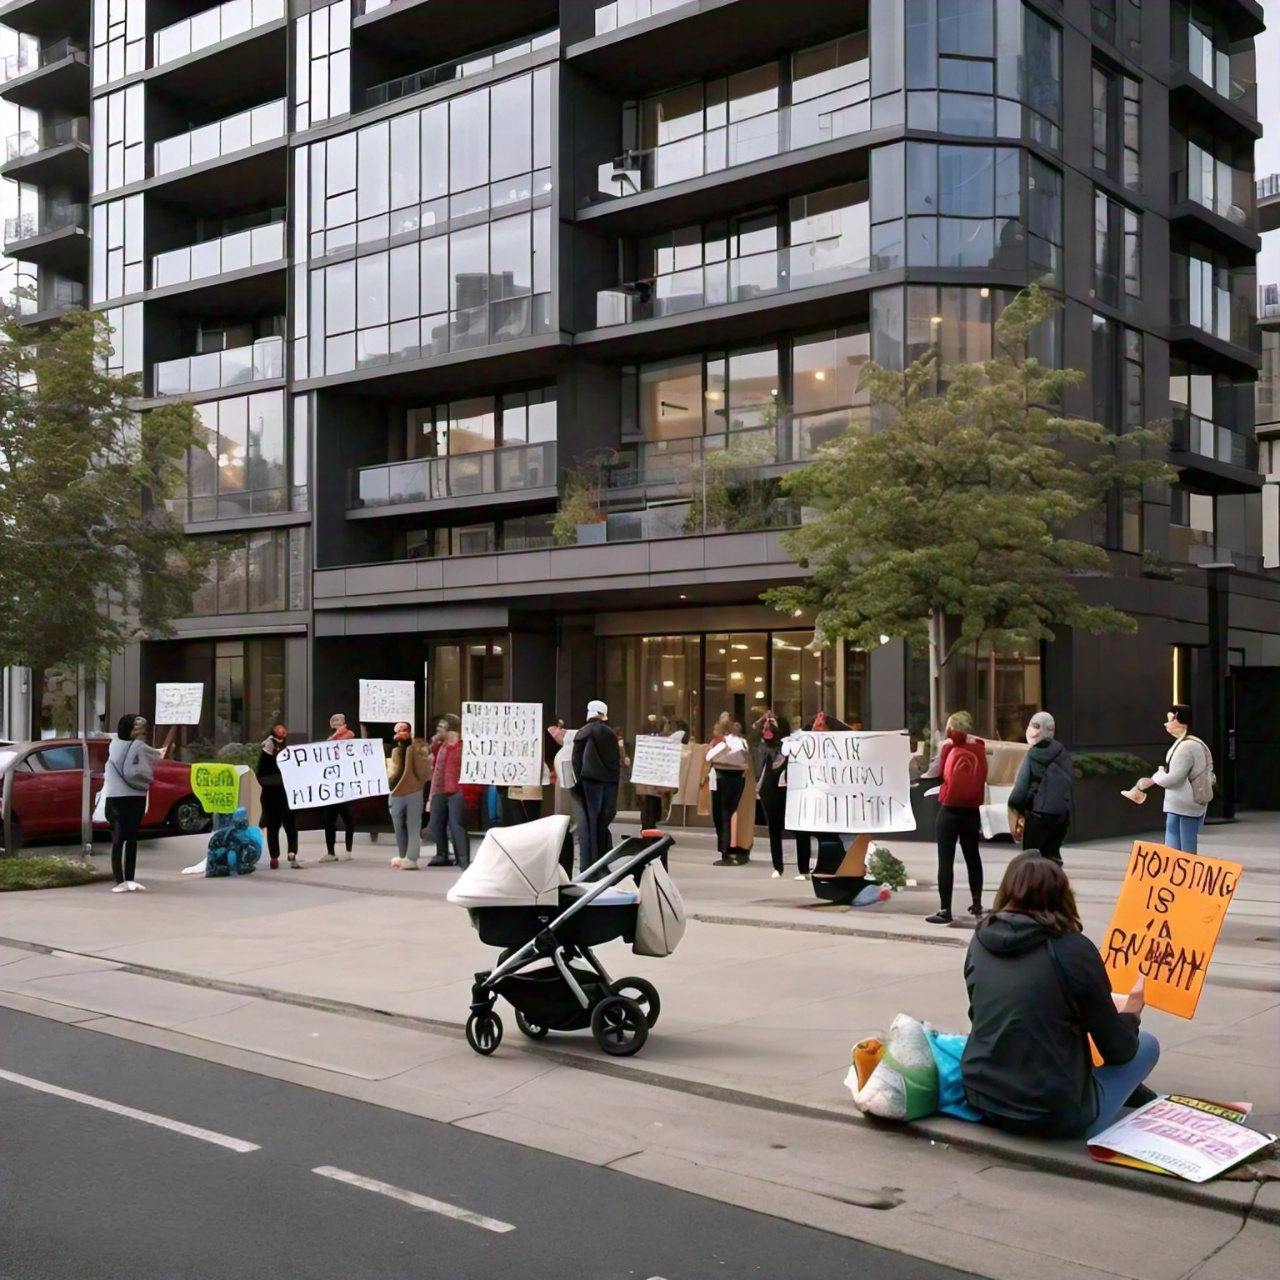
x: 884, y: 867
x: 239, y: 753
x: 1105, y: 764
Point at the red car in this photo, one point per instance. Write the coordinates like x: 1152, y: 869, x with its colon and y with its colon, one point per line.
x: 46, y: 791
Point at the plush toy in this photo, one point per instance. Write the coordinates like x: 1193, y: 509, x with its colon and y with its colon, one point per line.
x: 235, y: 848
x: 903, y: 1085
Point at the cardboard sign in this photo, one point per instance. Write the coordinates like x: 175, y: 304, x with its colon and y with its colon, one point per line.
x: 320, y: 773
x: 848, y: 782
x: 388, y: 701
x: 216, y: 786
x: 502, y: 743
x: 179, y: 703
x: 1166, y: 923
x: 656, y: 762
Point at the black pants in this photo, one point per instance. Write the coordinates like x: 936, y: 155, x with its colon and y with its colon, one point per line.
x: 729, y: 787
x: 773, y: 800
x: 331, y: 813
x: 125, y: 815
x: 650, y: 812
x: 276, y: 814
x: 963, y: 825
x: 804, y: 851
x: 600, y: 799
x: 1046, y: 832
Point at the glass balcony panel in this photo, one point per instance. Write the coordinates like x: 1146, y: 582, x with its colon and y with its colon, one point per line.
x: 236, y: 251
x: 237, y: 366
x: 268, y: 358
x: 206, y: 28
x: 169, y: 268
x: 408, y: 482
x: 267, y: 243
x: 678, y: 161
x: 753, y: 276
x: 206, y: 259
x: 680, y: 291
x: 173, y: 377
x: 206, y: 371
x: 238, y: 17
x: 236, y: 133
x: 373, y: 487
x: 754, y: 139
x: 206, y: 143
x: 171, y: 43
x: 268, y: 121
x: 172, y: 153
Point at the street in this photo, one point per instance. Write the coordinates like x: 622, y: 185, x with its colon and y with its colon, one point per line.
x: 91, y: 1194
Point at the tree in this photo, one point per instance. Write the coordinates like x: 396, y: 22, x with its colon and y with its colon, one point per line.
x: 957, y: 508
x: 91, y: 560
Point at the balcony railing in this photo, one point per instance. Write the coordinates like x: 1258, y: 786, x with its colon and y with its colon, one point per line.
x: 1269, y: 187
x: 1232, y: 200
x: 622, y: 13
x: 33, y: 141
x: 250, y: 248
x: 1230, y: 75
x: 31, y: 56
x: 839, y: 114
x: 222, y: 137
x: 255, y: 363
x: 27, y: 226
x: 211, y: 27
x: 1192, y: 434
x: 512, y: 469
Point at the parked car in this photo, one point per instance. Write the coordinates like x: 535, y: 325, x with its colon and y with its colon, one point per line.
x: 47, y: 781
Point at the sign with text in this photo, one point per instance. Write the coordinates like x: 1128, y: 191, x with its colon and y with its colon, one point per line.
x: 1166, y: 924
x: 179, y: 703
x: 502, y: 743
x: 387, y: 701
x: 656, y: 762
x: 216, y: 786
x: 849, y: 782
x: 320, y: 773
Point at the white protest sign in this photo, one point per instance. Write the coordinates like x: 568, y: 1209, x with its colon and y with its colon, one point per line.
x: 179, y: 703
x: 656, y: 762
x: 319, y: 773
x: 849, y: 782
x: 387, y: 701
x: 502, y: 743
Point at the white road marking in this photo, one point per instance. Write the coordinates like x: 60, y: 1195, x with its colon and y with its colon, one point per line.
x: 131, y: 1113
x: 412, y: 1197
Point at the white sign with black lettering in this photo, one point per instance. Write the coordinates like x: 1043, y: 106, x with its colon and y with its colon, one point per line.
x: 502, y: 743
x: 656, y: 762
x: 849, y: 782
x: 387, y: 701
x: 320, y: 773
x: 179, y: 703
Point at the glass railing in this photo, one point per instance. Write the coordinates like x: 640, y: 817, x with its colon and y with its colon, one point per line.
x: 255, y: 363
x: 222, y: 137
x: 32, y: 141
x: 462, y: 475
x: 1231, y: 75
x: 622, y: 13
x: 1269, y: 187
x: 1233, y: 198
x: 838, y: 114
x: 211, y: 27
x: 370, y: 6
x: 1192, y: 434
x: 62, y: 293
x: 250, y: 248
x: 26, y: 225
x: 30, y: 56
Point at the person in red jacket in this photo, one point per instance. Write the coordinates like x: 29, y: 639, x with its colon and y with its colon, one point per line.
x: 962, y: 766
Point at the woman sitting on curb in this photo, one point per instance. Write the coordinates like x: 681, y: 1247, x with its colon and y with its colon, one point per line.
x: 1037, y: 991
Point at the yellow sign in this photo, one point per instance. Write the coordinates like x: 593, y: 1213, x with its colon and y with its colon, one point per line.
x: 1166, y: 924
x: 216, y: 786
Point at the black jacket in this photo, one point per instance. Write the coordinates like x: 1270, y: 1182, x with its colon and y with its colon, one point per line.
x: 596, y: 757
x: 1026, y: 1064
x: 268, y: 769
x: 1043, y: 784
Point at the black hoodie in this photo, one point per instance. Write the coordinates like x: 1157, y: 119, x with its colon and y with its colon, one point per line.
x: 1026, y: 1064
x: 1043, y: 784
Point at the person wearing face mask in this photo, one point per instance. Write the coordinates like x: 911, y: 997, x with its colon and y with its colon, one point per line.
x: 962, y: 766
x: 446, y: 823
x: 1041, y: 795
x: 331, y: 813
x: 131, y: 764
x: 275, y: 804
x: 1188, y: 781
x: 771, y: 783
x: 408, y: 773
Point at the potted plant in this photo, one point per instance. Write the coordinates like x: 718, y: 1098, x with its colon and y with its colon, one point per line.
x: 578, y: 517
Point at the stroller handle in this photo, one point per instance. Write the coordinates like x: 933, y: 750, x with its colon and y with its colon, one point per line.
x: 638, y: 850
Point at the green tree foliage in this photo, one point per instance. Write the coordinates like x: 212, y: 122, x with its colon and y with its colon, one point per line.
x: 731, y: 490
x: 958, y: 506
x: 90, y: 558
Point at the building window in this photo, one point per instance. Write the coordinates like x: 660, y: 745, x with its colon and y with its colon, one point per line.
x: 523, y: 533
x: 119, y: 39
x: 1213, y: 297
x: 241, y: 469
x: 1117, y: 376
x: 1117, y: 125
x: 1208, y: 172
x: 260, y: 572
x: 125, y: 356
x: 1117, y: 250
x: 1191, y: 525
x: 481, y: 424
x: 117, y: 249
x: 119, y: 150
x: 322, y: 59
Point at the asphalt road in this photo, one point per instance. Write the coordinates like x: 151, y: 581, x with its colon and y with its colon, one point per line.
x: 100, y: 1195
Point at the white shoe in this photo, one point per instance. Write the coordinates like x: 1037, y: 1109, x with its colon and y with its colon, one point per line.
x: 122, y: 887
x: 135, y: 886
x: 329, y: 857
x: 345, y: 856
x: 775, y: 875
x: 397, y: 862
x: 803, y: 876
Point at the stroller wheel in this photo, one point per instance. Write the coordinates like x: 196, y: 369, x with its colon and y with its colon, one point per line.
x: 619, y: 1026
x: 484, y: 1032
x: 644, y: 993
x: 532, y: 1029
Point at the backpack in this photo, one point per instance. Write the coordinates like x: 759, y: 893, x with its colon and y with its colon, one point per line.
x: 964, y: 775
x: 1204, y: 783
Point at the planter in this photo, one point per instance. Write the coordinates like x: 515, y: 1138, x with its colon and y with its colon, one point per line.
x: 592, y: 533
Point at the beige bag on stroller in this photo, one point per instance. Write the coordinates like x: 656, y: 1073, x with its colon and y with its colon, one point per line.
x: 660, y: 917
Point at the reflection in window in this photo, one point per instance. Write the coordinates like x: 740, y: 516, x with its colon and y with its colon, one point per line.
x: 260, y: 572
x: 1117, y: 250
x: 1116, y: 125
x: 322, y: 74
x: 241, y: 468
x: 482, y: 423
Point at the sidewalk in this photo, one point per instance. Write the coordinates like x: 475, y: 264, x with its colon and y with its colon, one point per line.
x: 761, y: 1002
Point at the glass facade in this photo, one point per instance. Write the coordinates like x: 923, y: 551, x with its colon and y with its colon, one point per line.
x: 261, y: 572
x: 117, y: 265
x: 1117, y: 250
x: 1117, y: 125
x: 119, y: 154
x: 119, y: 39
x: 322, y: 64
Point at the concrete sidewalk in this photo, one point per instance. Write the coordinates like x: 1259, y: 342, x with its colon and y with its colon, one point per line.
x: 761, y: 1002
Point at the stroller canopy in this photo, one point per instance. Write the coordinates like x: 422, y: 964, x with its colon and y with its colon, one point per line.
x: 515, y: 867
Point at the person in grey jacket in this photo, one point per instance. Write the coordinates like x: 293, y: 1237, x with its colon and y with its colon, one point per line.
x: 1041, y: 793
x: 131, y: 767
x: 1188, y: 760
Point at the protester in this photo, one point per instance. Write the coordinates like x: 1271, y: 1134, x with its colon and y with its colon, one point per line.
x: 730, y: 758
x: 1038, y: 992
x: 962, y: 766
x: 597, y: 766
x: 651, y: 797
x: 407, y: 772
x: 234, y: 849
x: 275, y: 804
x: 1042, y: 790
x: 708, y: 780
x: 131, y: 766
x: 447, y: 820
x: 566, y: 787
x: 805, y: 840
x: 332, y: 812
x: 771, y: 782
x: 1187, y: 779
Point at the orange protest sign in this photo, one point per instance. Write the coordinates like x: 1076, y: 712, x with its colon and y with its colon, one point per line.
x: 1166, y: 923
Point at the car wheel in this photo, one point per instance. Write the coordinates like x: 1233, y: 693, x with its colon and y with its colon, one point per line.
x: 187, y: 817
x: 15, y: 835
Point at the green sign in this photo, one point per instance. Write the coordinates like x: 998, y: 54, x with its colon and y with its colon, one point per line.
x: 217, y: 787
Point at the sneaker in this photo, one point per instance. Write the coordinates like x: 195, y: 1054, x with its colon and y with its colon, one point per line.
x: 727, y: 862
x: 275, y: 864
x: 348, y: 856
x: 1141, y: 1096
x: 134, y: 887
x: 330, y: 857
x: 938, y: 917
x: 775, y: 875
x: 397, y: 862
x: 294, y: 864
x: 438, y: 861
x: 804, y: 875
x: 122, y: 887
x: 977, y: 910
x: 408, y: 865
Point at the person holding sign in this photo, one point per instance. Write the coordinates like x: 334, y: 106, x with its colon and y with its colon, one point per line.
x: 730, y: 758
x: 275, y: 803
x: 1187, y: 779
x: 446, y: 822
x: 131, y: 767
x: 962, y: 766
x: 771, y: 786
x: 1038, y: 992
x: 331, y: 813
x: 408, y: 774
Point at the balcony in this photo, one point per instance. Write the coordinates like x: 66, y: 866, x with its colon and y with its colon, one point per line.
x: 623, y: 13
x: 514, y: 473
x: 259, y: 362
x: 54, y: 238
x: 246, y: 129
x: 46, y: 77
x: 1215, y: 84
x: 1267, y: 192
x: 211, y: 27
x: 238, y: 252
x: 55, y: 155
x: 1225, y: 461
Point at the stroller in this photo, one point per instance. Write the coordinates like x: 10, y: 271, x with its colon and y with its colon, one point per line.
x: 520, y: 898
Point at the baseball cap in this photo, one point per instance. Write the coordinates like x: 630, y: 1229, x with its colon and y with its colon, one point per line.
x: 597, y: 708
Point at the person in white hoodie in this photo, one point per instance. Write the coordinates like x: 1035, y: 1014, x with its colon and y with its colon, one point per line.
x: 1188, y: 767
x: 131, y: 766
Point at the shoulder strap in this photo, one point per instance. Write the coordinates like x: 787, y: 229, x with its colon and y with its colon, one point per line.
x: 1072, y: 1002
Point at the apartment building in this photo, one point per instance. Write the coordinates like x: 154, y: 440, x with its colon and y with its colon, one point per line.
x: 434, y: 271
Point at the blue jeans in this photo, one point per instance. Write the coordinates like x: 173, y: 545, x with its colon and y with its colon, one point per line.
x: 448, y: 816
x: 600, y: 800
x: 1113, y: 1085
x: 1181, y: 832
x: 406, y: 822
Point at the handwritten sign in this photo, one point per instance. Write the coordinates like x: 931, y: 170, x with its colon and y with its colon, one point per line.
x: 216, y: 786
x: 849, y: 782
x: 1166, y: 924
x: 179, y: 703
x: 320, y: 773
x: 502, y: 743
x: 656, y: 762
x: 387, y: 701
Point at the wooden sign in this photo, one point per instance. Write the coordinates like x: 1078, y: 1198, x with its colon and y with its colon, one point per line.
x: 1166, y: 924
